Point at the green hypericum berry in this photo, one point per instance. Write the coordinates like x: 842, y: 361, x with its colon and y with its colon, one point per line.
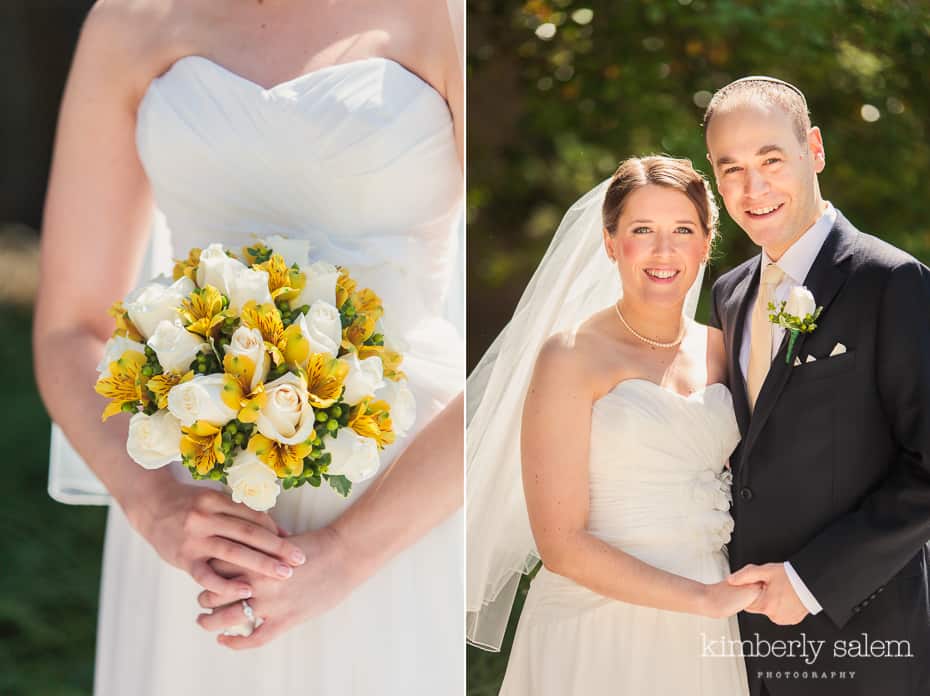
x: 147, y: 370
x: 336, y: 411
x: 216, y: 474
x: 332, y: 426
x: 239, y: 439
x: 321, y: 417
x: 128, y: 407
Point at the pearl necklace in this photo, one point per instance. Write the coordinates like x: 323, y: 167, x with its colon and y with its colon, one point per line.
x: 657, y: 344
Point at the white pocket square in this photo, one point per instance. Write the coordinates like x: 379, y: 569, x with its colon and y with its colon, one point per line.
x: 797, y: 361
x: 810, y: 359
x: 838, y: 349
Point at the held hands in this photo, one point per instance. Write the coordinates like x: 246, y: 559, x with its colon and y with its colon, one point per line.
x: 722, y: 599
x: 778, y: 600
x: 326, y: 579
x: 189, y: 525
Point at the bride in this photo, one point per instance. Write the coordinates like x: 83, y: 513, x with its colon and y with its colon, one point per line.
x: 340, y: 124
x: 626, y: 428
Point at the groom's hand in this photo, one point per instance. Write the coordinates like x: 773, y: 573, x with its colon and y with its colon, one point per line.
x: 778, y: 600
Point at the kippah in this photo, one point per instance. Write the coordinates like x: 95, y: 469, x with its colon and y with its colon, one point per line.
x: 773, y: 80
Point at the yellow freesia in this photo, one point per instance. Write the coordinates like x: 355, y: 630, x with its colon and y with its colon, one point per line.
x: 202, y: 444
x: 187, y: 267
x: 203, y: 311
x: 345, y: 286
x: 286, y: 460
x: 284, y: 283
x: 125, y: 383
x: 124, y: 326
x: 161, y: 384
x: 372, y: 419
x: 325, y: 377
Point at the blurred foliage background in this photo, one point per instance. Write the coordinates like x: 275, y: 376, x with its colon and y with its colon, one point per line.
x: 559, y: 91
x: 50, y: 567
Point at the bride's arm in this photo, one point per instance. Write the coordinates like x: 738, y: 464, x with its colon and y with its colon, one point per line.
x: 97, y: 211
x: 555, y: 449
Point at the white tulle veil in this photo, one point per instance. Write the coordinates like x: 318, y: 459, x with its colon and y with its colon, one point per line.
x: 574, y: 280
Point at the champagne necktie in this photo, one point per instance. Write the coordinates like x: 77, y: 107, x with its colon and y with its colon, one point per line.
x: 760, y: 349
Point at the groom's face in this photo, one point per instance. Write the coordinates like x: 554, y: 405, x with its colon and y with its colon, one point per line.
x: 765, y: 174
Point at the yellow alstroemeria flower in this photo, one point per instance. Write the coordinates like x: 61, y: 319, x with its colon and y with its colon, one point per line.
x: 161, y: 384
x: 360, y: 330
x: 124, y: 325
x: 284, y: 282
x: 187, y: 267
x: 285, y: 345
x: 325, y: 377
x: 390, y: 361
x: 125, y: 383
x: 286, y: 460
x: 237, y: 388
x: 203, y: 444
x: 372, y: 419
x: 203, y: 311
x: 367, y: 302
x: 345, y: 286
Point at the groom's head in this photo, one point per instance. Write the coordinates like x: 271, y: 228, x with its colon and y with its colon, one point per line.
x: 766, y: 157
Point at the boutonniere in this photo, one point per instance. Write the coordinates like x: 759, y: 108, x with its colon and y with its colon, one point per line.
x: 797, y: 315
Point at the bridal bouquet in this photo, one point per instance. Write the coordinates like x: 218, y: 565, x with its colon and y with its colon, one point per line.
x: 260, y: 371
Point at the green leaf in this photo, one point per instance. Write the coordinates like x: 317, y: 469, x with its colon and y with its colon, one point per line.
x: 340, y: 484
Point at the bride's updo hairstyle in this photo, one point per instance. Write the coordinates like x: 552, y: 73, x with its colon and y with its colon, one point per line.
x: 677, y: 174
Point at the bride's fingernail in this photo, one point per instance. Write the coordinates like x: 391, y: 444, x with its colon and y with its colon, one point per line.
x: 298, y: 558
x: 283, y: 570
x: 245, y: 592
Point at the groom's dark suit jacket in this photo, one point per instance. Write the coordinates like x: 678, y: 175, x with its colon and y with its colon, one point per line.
x: 833, y: 471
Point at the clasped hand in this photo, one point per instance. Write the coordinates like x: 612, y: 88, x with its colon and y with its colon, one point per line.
x: 778, y: 600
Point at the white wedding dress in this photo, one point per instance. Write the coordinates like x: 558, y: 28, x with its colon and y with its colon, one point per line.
x: 658, y: 491
x: 360, y: 159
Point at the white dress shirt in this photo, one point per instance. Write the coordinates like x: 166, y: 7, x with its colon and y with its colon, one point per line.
x: 796, y: 262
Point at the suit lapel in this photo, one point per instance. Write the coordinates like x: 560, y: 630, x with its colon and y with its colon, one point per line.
x: 824, y: 280
x: 742, y: 298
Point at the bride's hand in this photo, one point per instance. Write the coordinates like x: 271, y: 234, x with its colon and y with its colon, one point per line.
x: 323, y: 582
x: 722, y: 599
x: 189, y: 525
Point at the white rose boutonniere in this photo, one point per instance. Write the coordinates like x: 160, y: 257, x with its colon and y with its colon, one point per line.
x: 798, y: 314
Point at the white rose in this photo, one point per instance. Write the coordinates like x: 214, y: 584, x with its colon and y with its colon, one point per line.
x: 217, y: 269
x: 287, y: 416
x: 154, y: 440
x: 252, y: 482
x: 403, y: 405
x: 114, y: 350
x: 321, y: 284
x: 246, y: 284
x: 322, y: 327
x: 353, y: 456
x: 153, y: 303
x: 293, y: 250
x: 175, y: 347
x: 200, y: 399
x: 800, y: 302
x: 248, y: 343
x: 365, y: 377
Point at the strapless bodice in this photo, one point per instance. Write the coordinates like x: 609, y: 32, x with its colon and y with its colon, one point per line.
x: 359, y: 158
x: 658, y: 482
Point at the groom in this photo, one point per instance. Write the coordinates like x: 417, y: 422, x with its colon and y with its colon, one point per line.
x: 831, y: 490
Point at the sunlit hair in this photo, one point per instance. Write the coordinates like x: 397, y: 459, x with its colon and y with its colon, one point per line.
x: 767, y: 92
x: 676, y: 174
